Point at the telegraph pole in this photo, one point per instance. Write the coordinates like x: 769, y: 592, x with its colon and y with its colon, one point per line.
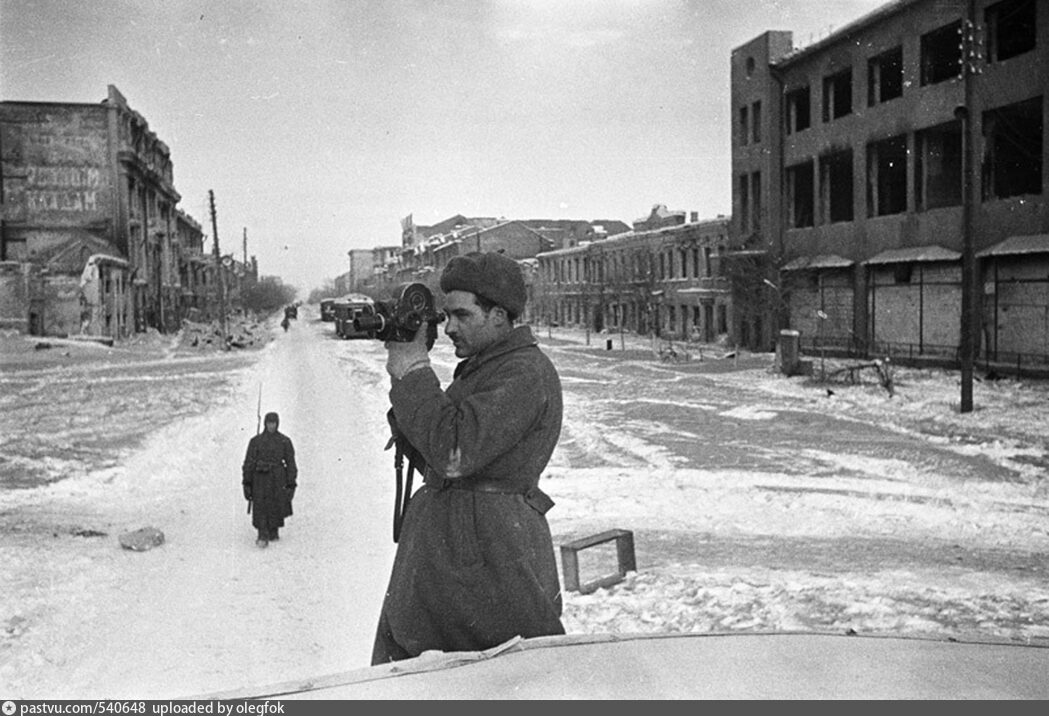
x: 218, y: 268
x: 970, y: 46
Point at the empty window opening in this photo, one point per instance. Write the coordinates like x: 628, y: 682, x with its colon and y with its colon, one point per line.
x: 755, y: 121
x: 885, y: 77
x: 755, y: 200
x: 836, y: 186
x: 799, y: 115
x: 744, y: 203
x: 1010, y: 29
x: 938, y: 166
x: 887, y: 181
x: 744, y: 125
x: 800, y: 194
x: 1013, y: 150
x: 837, y: 95
x: 941, y: 57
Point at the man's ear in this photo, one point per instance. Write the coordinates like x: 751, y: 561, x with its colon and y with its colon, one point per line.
x: 500, y: 315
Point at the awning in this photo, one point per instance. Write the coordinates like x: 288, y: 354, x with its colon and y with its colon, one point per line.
x: 1032, y: 244
x: 825, y: 261
x: 917, y: 254
x: 701, y: 291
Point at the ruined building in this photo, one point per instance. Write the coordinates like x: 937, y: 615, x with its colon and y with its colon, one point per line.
x: 852, y: 162
x: 91, y: 241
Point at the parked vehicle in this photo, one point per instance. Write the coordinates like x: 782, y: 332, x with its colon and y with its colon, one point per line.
x: 346, y: 308
x: 328, y: 309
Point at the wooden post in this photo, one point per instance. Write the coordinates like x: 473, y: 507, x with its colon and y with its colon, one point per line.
x: 218, y: 270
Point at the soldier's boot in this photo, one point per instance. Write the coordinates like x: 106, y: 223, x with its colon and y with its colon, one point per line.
x: 274, y: 536
x: 263, y: 540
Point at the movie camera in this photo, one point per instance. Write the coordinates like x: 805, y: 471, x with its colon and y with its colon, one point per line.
x: 400, y: 318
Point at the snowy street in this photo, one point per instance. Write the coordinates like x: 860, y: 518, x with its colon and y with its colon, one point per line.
x: 758, y: 503
x: 207, y: 608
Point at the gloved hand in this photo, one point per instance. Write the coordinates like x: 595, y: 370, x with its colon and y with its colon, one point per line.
x: 247, y: 492
x: 403, y: 358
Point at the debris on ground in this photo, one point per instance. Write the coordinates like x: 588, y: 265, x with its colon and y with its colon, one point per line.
x: 239, y: 334
x: 142, y: 540
x: 852, y: 373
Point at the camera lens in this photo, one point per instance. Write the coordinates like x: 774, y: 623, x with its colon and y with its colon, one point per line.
x: 369, y: 323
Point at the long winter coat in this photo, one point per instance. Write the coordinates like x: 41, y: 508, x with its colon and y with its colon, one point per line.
x: 474, y: 568
x: 269, y: 468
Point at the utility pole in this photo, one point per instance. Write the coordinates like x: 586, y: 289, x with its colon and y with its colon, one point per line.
x: 218, y: 268
x: 971, y: 54
x: 245, y: 247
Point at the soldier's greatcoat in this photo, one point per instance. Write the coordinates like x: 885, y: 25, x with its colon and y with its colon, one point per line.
x: 269, y: 468
x: 475, y: 562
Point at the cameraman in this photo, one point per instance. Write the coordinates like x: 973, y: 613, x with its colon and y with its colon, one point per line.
x: 475, y: 562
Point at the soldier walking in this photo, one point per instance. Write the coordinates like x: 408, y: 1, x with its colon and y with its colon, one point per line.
x: 269, y: 477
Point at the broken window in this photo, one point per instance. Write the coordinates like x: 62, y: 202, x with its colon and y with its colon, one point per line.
x: 800, y: 195
x: 1013, y: 150
x: 836, y: 186
x: 941, y: 54
x: 885, y: 76
x: 744, y: 203
x: 1010, y: 29
x: 755, y: 198
x: 938, y: 166
x: 887, y: 179
x: 837, y: 95
x: 798, y: 110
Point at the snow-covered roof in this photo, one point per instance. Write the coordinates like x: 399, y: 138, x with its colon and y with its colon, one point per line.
x: 1031, y: 244
x: 817, y: 262
x: 916, y: 254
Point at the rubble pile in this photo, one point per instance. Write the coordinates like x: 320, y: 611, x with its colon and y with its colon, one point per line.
x: 241, y: 334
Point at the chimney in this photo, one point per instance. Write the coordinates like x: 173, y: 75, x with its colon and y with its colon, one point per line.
x: 693, y: 217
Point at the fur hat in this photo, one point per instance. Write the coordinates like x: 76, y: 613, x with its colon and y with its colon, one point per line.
x: 497, y: 277
x: 272, y: 418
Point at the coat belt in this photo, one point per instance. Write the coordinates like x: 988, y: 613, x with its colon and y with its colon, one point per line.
x: 535, y: 497
x: 483, y: 485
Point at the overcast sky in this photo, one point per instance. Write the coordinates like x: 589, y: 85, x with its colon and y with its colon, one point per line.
x: 320, y: 124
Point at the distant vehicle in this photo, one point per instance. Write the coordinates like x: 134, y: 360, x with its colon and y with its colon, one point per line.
x: 346, y: 308
x: 328, y: 309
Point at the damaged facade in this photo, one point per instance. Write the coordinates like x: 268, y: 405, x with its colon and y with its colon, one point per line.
x: 91, y: 240
x: 425, y: 250
x: 849, y: 176
x: 667, y: 281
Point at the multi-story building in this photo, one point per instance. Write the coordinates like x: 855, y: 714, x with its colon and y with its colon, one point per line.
x: 362, y: 269
x: 566, y: 233
x: 87, y: 191
x: 866, y: 165
x: 426, y: 250
x: 666, y: 281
